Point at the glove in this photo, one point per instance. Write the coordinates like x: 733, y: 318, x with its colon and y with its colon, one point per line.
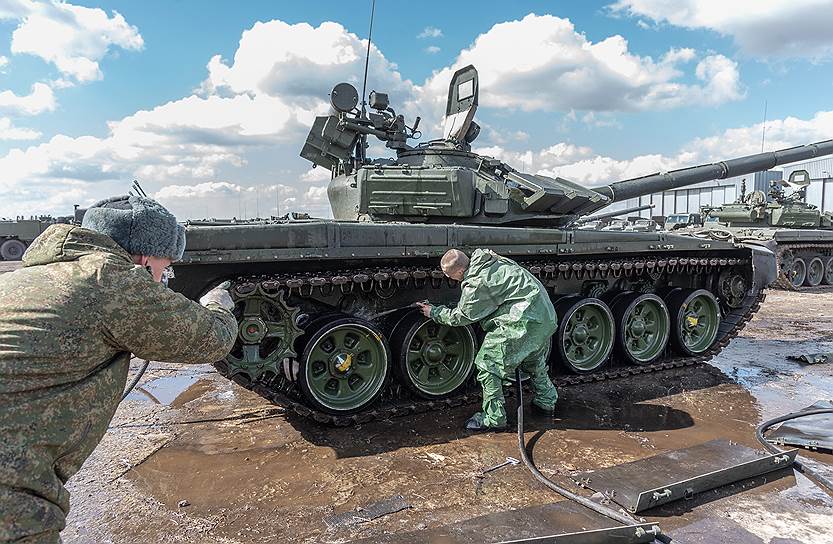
x: 220, y: 296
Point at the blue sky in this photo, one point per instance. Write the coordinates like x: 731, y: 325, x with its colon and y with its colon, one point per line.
x: 588, y: 90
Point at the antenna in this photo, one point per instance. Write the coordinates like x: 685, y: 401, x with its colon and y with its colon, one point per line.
x: 763, y: 128
x: 367, y: 58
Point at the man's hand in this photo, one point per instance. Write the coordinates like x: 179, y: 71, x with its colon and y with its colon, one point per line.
x: 219, y: 295
x: 425, y: 308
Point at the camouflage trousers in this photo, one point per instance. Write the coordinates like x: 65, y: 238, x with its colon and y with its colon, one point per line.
x: 496, y: 363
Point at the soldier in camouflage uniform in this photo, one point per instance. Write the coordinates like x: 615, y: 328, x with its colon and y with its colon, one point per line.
x: 514, y: 309
x: 86, y: 298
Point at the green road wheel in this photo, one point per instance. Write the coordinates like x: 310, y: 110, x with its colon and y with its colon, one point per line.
x: 585, y: 333
x: 828, y: 271
x: 815, y: 272
x: 344, y: 365
x: 695, y: 319
x: 797, y: 272
x: 433, y: 360
x: 642, y: 327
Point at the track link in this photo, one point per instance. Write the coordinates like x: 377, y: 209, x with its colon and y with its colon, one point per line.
x: 396, y: 402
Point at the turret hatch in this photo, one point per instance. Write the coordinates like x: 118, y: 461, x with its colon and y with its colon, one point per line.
x: 462, y: 104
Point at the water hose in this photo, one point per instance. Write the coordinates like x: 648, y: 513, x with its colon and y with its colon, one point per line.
x: 136, y: 379
x: 813, y: 475
x: 596, y: 507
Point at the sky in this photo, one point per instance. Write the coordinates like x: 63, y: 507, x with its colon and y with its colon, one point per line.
x: 208, y: 103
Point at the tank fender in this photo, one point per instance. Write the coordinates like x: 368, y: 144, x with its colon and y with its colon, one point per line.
x: 763, y: 262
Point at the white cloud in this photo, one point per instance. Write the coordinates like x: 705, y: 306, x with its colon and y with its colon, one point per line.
x: 73, y: 38
x: 432, y: 49
x: 41, y: 99
x: 430, y: 32
x: 551, y: 66
x: 4, y: 61
x: 10, y: 132
x: 777, y: 28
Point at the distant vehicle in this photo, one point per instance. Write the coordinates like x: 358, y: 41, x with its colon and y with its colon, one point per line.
x: 682, y: 220
x: 642, y: 225
x: 17, y: 234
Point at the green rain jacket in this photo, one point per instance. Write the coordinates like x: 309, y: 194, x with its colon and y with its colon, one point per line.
x: 512, y: 306
x: 69, y: 320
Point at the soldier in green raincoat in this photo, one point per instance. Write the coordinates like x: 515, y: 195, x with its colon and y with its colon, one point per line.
x: 85, y: 299
x: 516, y: 313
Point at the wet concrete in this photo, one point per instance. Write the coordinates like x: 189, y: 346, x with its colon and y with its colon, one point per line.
x: 251, y: 474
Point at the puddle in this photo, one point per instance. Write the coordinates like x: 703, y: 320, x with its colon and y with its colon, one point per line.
x: 170, y: 390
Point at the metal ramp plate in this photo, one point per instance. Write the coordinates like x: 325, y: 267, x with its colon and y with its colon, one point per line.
x: 678, y: 474
x: 563, y: 522
x: 811, y: 432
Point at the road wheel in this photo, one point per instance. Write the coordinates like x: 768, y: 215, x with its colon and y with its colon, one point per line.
x: 432, y: 360
x: 344, y: 365
x: 585, y: 333
x: 815, y: 272
x: 798, y: 272
x: 695, y: 318
x: 12, y: 250
x: 642, y: 331
x: 828, y: 271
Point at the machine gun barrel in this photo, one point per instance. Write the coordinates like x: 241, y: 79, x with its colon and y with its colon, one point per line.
x: 654, y: 183
x: 589, y: 218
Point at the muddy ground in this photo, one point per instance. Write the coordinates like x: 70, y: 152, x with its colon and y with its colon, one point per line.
x: 191, y: 457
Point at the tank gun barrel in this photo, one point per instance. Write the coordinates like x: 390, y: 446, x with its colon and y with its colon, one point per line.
x: 664, y: 181
x: 615, y: 213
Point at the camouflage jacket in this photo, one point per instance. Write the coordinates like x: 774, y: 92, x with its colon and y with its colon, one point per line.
x: 69, y: 320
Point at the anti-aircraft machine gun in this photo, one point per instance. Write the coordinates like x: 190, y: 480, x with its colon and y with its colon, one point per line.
x: 327, y: 326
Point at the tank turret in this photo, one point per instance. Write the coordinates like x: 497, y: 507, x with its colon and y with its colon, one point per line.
x: 443, y: 181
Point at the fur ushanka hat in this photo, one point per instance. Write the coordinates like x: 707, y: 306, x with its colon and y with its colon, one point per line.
x: 139, y: 224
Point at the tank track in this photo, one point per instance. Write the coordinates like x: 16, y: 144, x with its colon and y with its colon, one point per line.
x: 783, y: 282
x: 396, y: 402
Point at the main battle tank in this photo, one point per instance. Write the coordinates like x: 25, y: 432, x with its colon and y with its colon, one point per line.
x: 800, y: 234
x: 327, y: 324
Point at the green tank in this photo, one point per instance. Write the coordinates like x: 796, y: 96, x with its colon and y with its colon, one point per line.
x: 327, y: 324
x: 800, y: 234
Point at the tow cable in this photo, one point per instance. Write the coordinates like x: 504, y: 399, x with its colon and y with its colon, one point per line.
x: 813, y: 475
x: 599, y: 508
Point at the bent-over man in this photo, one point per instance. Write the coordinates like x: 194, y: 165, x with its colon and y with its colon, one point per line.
x: 86, y: 298
x: 516, y: 313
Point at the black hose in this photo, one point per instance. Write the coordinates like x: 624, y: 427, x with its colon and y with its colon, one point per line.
x: 136, y: 379
x: 817, y: 478
x: 596, y: 507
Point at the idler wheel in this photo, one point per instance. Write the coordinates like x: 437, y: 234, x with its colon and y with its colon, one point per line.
x: 815, y: 272
x: 828, y: 271
x: 797, y: 272
x: 344, y: 365
x: 432, y: 360
x: 585, y: 333
x: 695, y: 319
x: 642, y: 327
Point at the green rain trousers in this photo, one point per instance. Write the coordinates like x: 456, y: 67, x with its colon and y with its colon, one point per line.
x: 516, y: 313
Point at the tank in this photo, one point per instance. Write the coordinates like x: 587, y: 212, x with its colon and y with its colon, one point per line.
x: 800, y: 234
x: 327, y: 323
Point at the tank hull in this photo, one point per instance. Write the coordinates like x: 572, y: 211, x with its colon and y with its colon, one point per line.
x: 316, y: 274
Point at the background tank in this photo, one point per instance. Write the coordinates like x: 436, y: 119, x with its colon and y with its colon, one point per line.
x: 325, y: 309
x: 800, y: 234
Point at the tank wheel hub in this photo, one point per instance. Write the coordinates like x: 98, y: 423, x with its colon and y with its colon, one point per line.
x: 699, y: 319
x: 585, y: 337
x: 253, y: 330
x: 642, y: 327
x: 637, y: 327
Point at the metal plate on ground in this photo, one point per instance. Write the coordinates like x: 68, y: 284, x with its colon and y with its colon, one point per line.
x: 683, y: 473
x: 811, y: 432
x: 559, y: 523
